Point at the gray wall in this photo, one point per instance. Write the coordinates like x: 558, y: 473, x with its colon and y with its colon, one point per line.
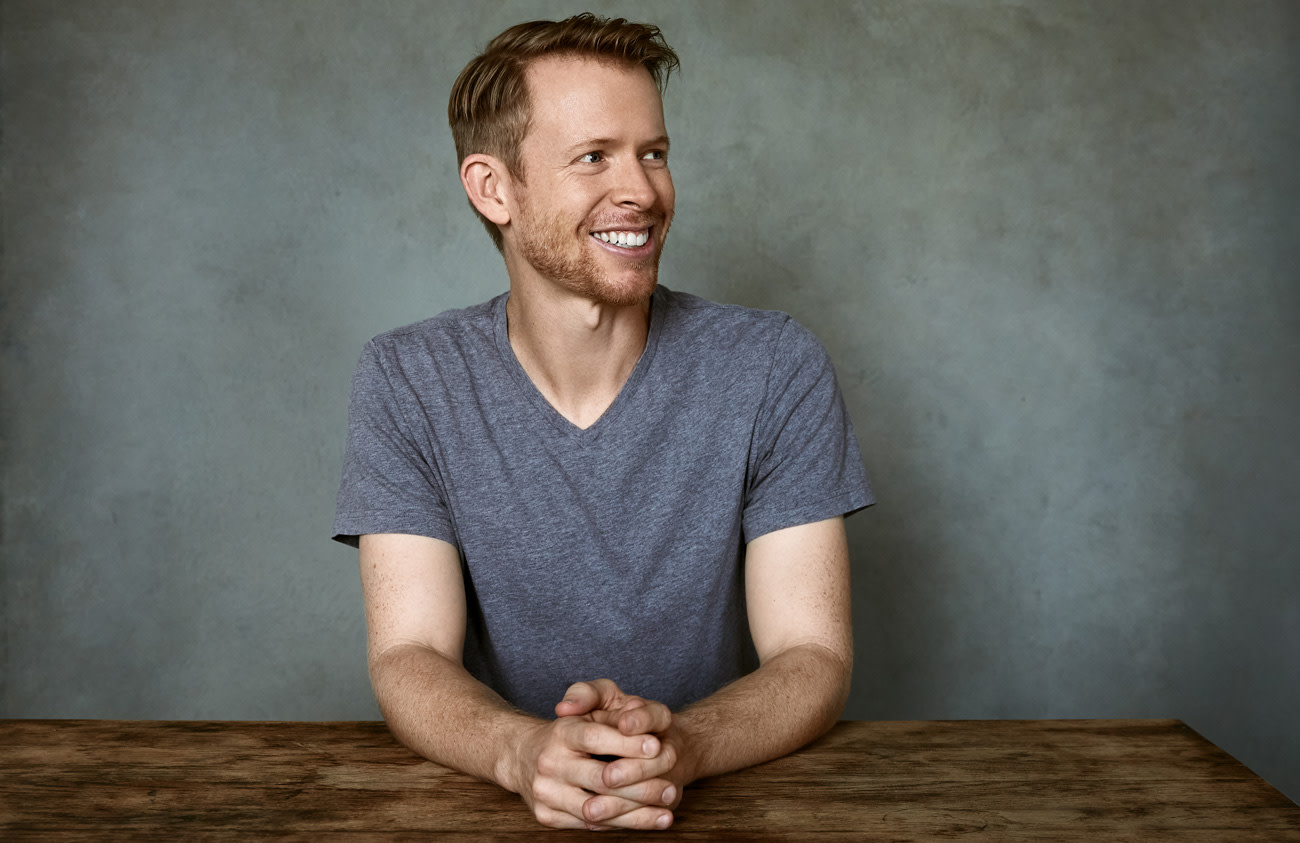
x: 1051, y: 246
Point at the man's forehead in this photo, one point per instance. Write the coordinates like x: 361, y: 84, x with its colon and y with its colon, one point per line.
x: 575, y: 99
x: 560, y: 75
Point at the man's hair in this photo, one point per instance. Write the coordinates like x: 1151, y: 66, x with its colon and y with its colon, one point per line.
x: 489, y: 108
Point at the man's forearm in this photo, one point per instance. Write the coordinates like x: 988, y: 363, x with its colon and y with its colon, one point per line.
x: 438, y: 710
x: 792, y: 699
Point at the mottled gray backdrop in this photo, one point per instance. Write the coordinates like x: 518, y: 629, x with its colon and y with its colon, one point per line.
x: 1052, y: 248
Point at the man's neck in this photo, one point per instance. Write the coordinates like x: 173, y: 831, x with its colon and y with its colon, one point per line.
x: 578, y: 353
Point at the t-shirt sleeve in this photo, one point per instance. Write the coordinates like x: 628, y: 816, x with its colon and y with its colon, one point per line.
x: 804, y: 461
x: 390, y: 475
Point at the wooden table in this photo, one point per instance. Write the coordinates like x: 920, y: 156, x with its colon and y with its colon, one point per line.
x: 1063, y: 779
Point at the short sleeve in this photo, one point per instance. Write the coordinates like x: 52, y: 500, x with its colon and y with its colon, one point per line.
x: 390, y: 482
x: 805, y: 465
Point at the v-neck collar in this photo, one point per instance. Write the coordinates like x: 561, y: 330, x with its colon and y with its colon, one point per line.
x: 534, y: 396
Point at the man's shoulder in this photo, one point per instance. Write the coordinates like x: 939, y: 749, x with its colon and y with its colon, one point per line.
x: 729, y: 341
x: 695, y: 313
x: 732, y: 330
x: 449, y: 329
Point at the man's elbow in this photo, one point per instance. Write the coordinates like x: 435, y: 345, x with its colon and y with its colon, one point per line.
x: 823, y: 675
x: 839, y: 667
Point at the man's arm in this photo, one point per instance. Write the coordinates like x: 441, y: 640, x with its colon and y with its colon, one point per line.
x: 800, y: 617
x: 415, y: 616
x: 797, y: 591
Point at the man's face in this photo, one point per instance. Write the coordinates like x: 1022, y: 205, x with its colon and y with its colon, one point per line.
x: 594, y: 208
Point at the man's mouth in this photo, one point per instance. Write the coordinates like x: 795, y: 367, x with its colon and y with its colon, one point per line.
x: 623, y: 239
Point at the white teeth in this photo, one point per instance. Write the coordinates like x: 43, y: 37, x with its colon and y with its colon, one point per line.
x: 626, y: 239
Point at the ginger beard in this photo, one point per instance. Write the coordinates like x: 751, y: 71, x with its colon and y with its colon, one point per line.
x: 562, y: 254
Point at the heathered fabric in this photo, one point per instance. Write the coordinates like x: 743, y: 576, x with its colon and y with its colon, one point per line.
x: 613, y: 551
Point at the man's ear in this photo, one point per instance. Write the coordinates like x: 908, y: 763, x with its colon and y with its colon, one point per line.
x: 487, y: 183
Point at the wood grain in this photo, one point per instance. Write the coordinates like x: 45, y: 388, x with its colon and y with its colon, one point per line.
x: 996, y: 780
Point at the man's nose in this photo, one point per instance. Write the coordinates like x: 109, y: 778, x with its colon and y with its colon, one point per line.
x: 632, y: 185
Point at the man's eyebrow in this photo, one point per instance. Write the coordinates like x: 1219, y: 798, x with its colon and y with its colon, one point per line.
x: 604, y: 143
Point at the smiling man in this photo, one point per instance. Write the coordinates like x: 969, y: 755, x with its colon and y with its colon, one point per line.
x: 600, y: 521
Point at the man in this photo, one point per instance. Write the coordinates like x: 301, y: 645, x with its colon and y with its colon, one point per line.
x: 587, y: 507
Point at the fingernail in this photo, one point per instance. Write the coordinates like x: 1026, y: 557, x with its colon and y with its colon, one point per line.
x: 664, y: 821
x: 615, y: 776
x: 670, y: 793
x: 650, y: 747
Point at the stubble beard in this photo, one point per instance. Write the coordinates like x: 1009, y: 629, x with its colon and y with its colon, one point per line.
x: 556, y: 251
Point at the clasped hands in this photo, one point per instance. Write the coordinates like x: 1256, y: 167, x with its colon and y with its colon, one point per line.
x: 608, y: 760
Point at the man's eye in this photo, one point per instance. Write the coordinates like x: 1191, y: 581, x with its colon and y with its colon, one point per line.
x: 592, y: 158
x: 655, y: 155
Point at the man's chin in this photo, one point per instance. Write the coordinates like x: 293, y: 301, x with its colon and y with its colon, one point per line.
x: 597, y: 276
x: 626, y: 291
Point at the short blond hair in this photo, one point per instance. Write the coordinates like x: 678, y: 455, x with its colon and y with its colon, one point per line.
x: 489, y: 107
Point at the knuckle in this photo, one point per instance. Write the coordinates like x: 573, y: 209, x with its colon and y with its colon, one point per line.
x: 594, y: 780
x: 590, y: 734
x: 646, y: 793
x: 614, y: 774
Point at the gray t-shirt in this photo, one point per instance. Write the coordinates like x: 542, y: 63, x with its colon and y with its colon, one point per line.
x: 613, y: 551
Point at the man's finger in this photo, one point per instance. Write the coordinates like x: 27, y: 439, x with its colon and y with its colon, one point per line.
x: 626, y: 771
x: 586, y: 697
x: 592, y: 738
x: 580, y: 698
x: 652, y: 792
x: 557, y: 804
x: 612, y: 812
x: 597, y: 695
x: 640, y: 717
